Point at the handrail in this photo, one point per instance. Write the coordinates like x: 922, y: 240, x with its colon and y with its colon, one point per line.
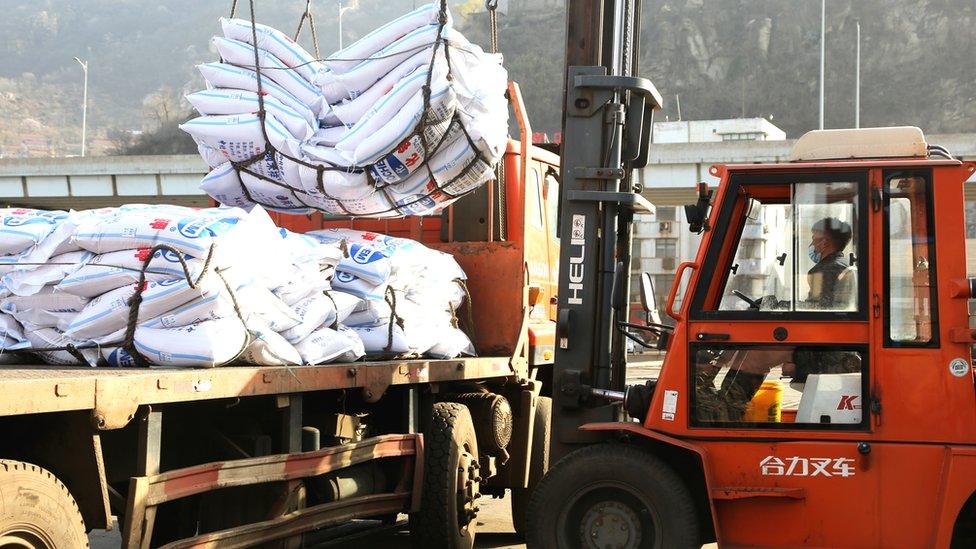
x: 674, y: 289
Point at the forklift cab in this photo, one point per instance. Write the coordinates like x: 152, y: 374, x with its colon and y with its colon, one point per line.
x: 820, y: 365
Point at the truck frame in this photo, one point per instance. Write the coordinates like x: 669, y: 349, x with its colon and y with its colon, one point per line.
x: 239, y: 456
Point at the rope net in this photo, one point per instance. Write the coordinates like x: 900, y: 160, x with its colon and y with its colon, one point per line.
x: 441, y: 122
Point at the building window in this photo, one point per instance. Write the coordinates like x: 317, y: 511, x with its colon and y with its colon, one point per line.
x: 666, y: 213
x: 666, y: 247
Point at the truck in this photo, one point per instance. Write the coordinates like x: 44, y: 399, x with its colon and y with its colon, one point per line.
x: 818, y: 385
x: 243, y: 456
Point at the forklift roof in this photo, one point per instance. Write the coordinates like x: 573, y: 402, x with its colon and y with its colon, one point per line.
x: 894, y: 142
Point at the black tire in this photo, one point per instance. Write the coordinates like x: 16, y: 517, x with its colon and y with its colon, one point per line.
x: 448, y: 440
x: 36, y: 509
x: 614, y: 491
x: 541, y: 433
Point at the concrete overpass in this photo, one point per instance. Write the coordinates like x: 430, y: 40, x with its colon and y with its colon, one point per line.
x: 112, y: 180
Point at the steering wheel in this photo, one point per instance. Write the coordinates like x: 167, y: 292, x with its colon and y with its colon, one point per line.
x: 753, y: 304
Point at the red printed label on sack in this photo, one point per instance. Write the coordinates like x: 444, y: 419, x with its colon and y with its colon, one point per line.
x: 159, y: 223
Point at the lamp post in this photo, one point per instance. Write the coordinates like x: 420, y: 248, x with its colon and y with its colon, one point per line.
x: 341, y: 11
x: 857, y: 81
x: 823, y: 32
x: 84, y: 106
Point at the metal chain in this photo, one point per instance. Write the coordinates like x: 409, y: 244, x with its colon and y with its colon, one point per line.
x: 491, y: 6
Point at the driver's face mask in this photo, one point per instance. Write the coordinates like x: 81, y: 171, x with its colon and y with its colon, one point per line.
x: 815, y: 256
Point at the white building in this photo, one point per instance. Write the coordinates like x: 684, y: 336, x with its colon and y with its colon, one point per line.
x: 706, y: 131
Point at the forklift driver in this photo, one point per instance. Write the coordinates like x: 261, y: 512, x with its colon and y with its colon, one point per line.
x: 829, y: 287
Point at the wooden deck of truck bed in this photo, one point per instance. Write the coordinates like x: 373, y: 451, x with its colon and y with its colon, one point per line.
x: 113, y: 395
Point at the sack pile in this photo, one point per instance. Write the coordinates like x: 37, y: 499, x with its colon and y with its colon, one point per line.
x: 411, y: 294
x: 402, y: 122
x: 176, y: 286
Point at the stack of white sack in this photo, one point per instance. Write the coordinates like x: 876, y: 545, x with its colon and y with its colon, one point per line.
x: 411, y: 294
x: 221, y: 285
x: 353, y: 135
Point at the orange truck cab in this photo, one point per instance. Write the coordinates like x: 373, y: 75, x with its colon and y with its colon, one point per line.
x: 818, y: 387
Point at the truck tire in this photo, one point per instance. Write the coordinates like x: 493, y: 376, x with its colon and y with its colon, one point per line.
x: 541, y: 433
x: 446, y: 516
x: 616, y: 495
x: 36, y: 509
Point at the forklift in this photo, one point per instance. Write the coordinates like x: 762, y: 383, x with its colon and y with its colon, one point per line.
x: 817, y: 387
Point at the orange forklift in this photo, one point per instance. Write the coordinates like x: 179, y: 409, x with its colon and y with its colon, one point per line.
x: 817, y: 388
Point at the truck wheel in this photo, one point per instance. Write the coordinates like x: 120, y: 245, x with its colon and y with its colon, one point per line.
x: 537, y: 467
x: 611, y: 495
x: 451, y: 480
x: 36, y: 509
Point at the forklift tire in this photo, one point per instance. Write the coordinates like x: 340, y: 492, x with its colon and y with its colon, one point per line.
x: 36, y: 509
x: 541, y: 432
x: 615, y: 495
x: 451, y: 480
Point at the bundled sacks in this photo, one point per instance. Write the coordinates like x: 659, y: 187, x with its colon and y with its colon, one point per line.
x: 411, y: 294
x: 353, y: 135
x: 221, y: 285
x: 208, y: 295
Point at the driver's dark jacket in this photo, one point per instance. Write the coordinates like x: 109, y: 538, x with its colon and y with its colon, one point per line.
x: 823, y: 280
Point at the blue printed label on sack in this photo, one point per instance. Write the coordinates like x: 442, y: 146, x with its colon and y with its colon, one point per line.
x: 363, y: 255
x: 416, y: 204
x: 345, y: 277
x: 28, y: 217
x: 195, y: 228
x: 119, y: 358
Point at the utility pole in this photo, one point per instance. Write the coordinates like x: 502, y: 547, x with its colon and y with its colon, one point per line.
x: 84, y: 106
x: 823, y: 33
x: 857, y: 81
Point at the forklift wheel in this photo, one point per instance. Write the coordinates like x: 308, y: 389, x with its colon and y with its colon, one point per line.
x: 451, y: 480
x: 611, y: 495
x: 541, y: 430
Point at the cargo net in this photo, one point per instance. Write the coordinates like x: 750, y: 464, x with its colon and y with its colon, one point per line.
x: 130, y: 354
x: 353, y: 169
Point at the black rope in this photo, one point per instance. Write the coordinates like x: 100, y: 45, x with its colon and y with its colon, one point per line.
x: 391, y: 300
x: 311, y: 26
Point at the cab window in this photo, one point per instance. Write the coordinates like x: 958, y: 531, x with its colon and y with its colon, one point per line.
x: 910, y: 308
x: 796, y: 249
x: 779, y: 386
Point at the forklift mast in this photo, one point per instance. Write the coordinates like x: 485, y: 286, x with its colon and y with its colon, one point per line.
x: 608, y: 113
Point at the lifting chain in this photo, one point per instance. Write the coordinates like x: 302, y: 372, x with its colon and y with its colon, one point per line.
x: 492, y: 6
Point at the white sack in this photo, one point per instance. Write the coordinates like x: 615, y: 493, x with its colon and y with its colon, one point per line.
x: 267, y: 347
x: 224, y: 186
x: 45, y: 338
x: 222, y: 75
x: 239, y: 53
x: 109, y: 312
x: 313, y: 312
x: 191, y: 234
x: 353, y: 54
x: 208, y: 344
x: 108, y: 271
x: 21, y: 228
x: 325, y: 345
x: 274, y: 41
x: 22, y: 282
x: 376, y: 339
x: 226, y: 101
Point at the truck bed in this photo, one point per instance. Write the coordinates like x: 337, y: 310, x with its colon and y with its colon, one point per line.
x: 114, y: 394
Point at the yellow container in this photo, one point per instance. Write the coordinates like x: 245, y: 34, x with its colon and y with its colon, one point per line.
x: 766, y: 405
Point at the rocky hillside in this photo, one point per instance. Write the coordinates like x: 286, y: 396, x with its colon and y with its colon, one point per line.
x: 725, y: 58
